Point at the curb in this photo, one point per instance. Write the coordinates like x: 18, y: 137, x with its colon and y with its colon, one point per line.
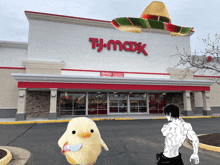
x: 190, y: 117
x: 102, y: 119
x: 5, y: 160
x: 19, y: 155
x: 207, y: 147
x: 60, y: 121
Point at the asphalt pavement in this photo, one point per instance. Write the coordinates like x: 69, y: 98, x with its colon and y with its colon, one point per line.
x: 130, y: 142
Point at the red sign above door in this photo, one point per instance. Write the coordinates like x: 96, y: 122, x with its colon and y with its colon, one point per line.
x: 118, y: 74
x: 112, y: 74
x: 108, y: 74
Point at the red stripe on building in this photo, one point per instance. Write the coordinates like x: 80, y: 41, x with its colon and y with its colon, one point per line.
x: 114, y: 71
x: 94, y: 71
x: 12, y: 68
x: 206, y: 76
x: 110, y: 86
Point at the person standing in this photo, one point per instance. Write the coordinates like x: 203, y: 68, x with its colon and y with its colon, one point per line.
x: 175, y: 133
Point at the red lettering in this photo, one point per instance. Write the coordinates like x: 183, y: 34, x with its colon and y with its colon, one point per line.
x: 114, y: 44
x: 94, y: 40
x: 130, y: 46
x: 141, y: 49
x: 138, y: 46
x: 101, y: 45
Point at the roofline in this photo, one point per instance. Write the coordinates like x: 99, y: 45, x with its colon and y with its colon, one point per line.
x: 13, y: 44
x: 83, y: 21
x: 23, y: 77
x: 65, y: 16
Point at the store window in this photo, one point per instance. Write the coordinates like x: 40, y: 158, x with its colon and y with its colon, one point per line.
x: 97, y: 103
x: 72, y: 103
x: 138, y: 102
x: 157, y: 102
x: 118, y: 102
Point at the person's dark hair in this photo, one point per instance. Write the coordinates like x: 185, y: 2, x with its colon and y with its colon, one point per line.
x: 173, y: 109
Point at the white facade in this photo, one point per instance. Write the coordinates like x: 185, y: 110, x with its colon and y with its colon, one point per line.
x: 70, y: 43
x: 60, y: 58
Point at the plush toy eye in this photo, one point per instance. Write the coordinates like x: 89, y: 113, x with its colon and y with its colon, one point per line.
x: 92, y: 130
x: 73, y: 132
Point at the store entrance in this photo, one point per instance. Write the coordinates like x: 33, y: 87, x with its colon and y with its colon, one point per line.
x: 138, y: 103
x: 157, y: 102
x: 118, y: 103
x: 97, y: 103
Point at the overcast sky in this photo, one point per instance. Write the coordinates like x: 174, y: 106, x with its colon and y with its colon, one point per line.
x: 203, y: 15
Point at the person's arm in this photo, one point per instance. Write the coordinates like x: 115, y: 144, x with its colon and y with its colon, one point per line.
x: 165, y: 130
x: 195, y: 142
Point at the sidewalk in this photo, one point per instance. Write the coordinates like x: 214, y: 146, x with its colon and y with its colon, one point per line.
x: 99, y: 118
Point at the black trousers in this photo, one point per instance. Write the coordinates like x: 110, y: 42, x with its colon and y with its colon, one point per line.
x: 169, y: 161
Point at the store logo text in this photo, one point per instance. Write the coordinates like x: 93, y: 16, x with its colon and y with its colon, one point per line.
x: 127, y: 45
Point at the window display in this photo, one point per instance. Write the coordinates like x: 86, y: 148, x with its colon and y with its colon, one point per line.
x: 97, y: 103
x: 156, y: 102
x: 72, y: 104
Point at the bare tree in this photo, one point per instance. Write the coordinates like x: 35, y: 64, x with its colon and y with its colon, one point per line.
x: 205, y: 61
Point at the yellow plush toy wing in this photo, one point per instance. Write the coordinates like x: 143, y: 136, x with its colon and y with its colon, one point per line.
x: 104, y: 145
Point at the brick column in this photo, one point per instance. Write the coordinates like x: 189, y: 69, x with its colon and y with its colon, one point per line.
x: 206, y: 103
x: 187, y: 104
x: 53, y: 103
x: 21, y: 114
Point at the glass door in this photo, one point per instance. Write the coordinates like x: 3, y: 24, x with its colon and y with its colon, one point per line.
x: 118, y: 102
x: 157, y: 102
x: 97, y: 103
x: 138, y: 103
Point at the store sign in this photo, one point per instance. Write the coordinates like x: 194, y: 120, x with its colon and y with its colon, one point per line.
x: 127, y: 45
x: 118, y: 75
x: 108, y: 74
x: 112, y: 74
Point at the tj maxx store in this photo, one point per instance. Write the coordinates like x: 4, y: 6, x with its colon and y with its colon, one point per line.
x: 76, y: 66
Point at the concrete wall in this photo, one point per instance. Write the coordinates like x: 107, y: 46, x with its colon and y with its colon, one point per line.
x: 214, y: 89
x: 12, y: 53
x: 214, y: 95
x: 43, y: 67
x: 70, y: 43
x: 8, y: 88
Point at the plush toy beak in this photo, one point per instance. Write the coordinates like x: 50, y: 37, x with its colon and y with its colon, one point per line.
x: 85, y: 135
x: 65, y: 148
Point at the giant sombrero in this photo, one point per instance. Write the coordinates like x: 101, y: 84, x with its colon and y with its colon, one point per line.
x: 155, y: 16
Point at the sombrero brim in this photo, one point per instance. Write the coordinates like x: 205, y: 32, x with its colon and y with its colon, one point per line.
x: 175, y: 30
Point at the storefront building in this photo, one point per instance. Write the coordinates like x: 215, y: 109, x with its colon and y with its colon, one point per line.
x: 77, y: 67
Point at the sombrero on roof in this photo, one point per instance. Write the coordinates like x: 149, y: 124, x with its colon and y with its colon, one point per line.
x: 155, y: 16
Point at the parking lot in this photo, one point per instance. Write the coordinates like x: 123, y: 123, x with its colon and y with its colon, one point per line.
x: 129, y: 142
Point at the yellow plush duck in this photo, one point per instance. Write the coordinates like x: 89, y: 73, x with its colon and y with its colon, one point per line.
x: 81, y: 143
